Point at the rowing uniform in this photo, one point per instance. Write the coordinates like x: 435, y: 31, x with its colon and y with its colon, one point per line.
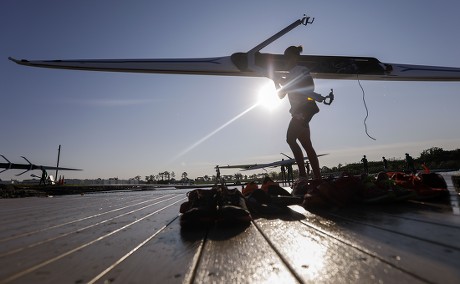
x: 300, y: 88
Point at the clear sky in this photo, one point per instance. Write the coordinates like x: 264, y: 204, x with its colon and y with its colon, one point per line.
x: 123, y: 125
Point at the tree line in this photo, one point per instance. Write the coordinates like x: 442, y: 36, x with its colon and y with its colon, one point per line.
x: 432, y: 158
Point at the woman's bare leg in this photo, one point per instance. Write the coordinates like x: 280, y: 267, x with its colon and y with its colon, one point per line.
x: 305, y: 140
x: 293, y: 133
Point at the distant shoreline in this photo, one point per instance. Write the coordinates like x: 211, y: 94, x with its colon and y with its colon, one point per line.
x: 27, y: 190
x: 20, y: 190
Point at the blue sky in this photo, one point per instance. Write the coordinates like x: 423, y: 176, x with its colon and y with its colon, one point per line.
x: 123, y: 125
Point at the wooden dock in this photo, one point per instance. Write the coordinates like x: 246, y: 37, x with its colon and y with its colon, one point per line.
x: 135, y: 237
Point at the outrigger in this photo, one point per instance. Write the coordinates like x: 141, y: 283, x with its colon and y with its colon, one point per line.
x: 29, y: 166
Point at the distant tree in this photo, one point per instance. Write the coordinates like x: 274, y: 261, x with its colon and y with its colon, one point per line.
x: 432, y: 154
x: 184, y: 175
x: 325, y: 169
x: 153, y: 178
x: 238, y: 176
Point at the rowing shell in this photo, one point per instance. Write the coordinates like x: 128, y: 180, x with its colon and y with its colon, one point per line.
x: 321, y: 67
x: 248, y: 167
x: 29, y: 166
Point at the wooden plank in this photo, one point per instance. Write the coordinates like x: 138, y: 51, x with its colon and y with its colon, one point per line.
x: 319, y: 258
x: 422, y: 211
x: 65, y: 258
x: 47, y: 212
x: 240, y: 255
x: 135, y: 237
x: 71, y: 225
x: 84, y: 263
x: 170, y: 257
x: 428, y: 231
x: 431, y: 262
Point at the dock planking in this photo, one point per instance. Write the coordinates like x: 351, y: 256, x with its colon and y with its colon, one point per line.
x: 135, y: 237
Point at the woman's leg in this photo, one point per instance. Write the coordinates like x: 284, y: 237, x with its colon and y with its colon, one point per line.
x: 305, y: 140
x: 294, y: 132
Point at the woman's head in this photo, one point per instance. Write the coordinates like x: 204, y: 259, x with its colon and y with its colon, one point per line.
x: 292, y: 54
x: 293, y: 51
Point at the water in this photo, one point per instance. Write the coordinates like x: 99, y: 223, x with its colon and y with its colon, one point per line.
x: 454, y: 196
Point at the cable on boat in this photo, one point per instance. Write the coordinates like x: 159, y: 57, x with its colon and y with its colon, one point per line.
x: 365, y: 106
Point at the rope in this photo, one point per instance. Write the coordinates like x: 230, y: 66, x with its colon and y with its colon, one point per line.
x: 365, y: 106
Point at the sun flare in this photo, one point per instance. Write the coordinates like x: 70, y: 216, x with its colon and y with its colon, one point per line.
x: 268, y: 96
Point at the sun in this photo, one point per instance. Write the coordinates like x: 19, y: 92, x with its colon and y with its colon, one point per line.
x: 268, y: 97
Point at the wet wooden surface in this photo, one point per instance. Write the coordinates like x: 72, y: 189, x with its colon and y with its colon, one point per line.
x: 135, y: 237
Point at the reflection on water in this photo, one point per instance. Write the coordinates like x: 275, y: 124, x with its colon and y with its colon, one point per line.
x: 454, y: 202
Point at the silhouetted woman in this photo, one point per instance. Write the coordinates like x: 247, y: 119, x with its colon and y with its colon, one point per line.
x: 298, y: 85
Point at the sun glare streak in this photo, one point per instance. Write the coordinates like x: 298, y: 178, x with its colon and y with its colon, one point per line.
x: 268, y: 97
x: 213, y: 133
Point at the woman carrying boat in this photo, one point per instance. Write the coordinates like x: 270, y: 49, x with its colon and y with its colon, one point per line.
x: 298, y: 85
